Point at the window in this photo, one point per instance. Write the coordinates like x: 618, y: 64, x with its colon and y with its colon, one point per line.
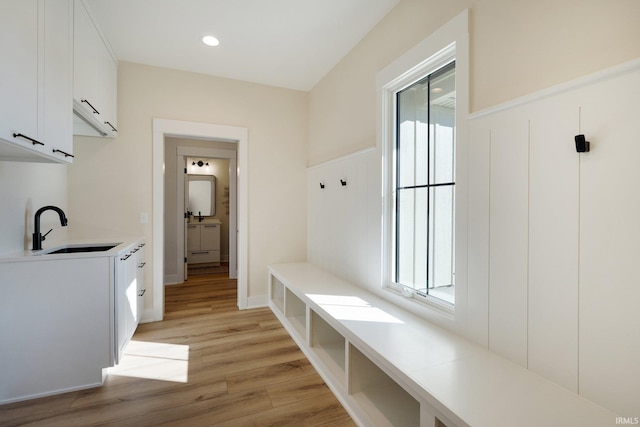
x: 424, y: 186
x: 422, y: 136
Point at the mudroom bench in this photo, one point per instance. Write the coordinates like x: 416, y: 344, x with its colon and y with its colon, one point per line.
x: 391, y: 368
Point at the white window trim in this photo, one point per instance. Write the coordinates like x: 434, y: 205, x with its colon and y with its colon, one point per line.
x: 447, y: 43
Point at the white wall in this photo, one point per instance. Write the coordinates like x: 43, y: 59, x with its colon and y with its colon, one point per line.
x: 550, y: 233
x: 110, y: 182
x: 25, y: 188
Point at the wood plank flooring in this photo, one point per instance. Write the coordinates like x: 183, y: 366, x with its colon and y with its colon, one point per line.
x: 241, y: 369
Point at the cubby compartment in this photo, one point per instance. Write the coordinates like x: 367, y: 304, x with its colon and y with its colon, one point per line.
x: 277, y: 294
x: 296, y: 312
x: 382, y: 400
x: 329, y: 346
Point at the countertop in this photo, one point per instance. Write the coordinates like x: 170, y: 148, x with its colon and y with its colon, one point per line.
x: 123, y: 244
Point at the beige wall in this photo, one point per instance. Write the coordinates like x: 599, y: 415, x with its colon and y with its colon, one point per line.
x: 110, y: 183
x: 516, y: 47
x: 25, y: 188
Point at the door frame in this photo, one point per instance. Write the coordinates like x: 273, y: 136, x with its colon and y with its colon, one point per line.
x: 210, y: 153
x: 209, y: 131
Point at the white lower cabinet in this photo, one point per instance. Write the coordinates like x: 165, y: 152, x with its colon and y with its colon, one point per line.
x: 129, y: 296
x: 56, y: 320
x: 203, y: 243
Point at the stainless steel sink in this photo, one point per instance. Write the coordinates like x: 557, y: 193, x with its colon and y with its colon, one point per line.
x: 73, y: 249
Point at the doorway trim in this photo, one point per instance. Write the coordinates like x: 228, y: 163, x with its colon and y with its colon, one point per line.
x: 209, y: 131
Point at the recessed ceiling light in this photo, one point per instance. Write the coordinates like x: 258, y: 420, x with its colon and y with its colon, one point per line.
x: 210, y: 41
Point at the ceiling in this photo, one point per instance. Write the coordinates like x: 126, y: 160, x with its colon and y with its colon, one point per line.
x: 284, y: 43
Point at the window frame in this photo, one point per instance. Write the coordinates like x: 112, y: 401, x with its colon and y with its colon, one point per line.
x: 448, y: 43
x: 429, y: 186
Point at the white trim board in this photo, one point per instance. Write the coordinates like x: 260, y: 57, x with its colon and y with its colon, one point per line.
x: 560, y: 88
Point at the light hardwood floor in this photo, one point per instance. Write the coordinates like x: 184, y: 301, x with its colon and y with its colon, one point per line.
x: 243, y: 370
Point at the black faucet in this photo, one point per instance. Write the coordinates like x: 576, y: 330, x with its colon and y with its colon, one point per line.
x: 37, y: 237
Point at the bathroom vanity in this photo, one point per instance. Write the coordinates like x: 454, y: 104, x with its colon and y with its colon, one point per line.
x: 203, y: 241
x: 66, y: 313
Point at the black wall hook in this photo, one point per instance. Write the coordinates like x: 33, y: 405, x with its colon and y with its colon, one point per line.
x: 322, y: 185
x: 343, y: 182
x: 582, y: 145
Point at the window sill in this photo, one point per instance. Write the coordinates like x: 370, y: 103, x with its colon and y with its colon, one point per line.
x: 434, y: 305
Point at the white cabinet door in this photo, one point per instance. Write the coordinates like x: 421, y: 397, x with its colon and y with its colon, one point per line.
x: 58, y: 78
x: 19, y: 71
x: 210, y: 237
x: 126, y: 301
x: 95, y: 77
x: 193, y: 237
x: 141, y: 290
x: 35, y: 80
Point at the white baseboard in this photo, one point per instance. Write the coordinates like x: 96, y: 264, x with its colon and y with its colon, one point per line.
x: 258, y: 301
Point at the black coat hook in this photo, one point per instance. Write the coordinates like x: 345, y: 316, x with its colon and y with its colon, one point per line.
x: 343, y: 182
x: 322, y: 185
x: 582, y: 145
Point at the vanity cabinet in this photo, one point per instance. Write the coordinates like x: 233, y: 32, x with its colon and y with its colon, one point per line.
x: 95, y: 79
x: 36, y: 80
x: 203, y: 243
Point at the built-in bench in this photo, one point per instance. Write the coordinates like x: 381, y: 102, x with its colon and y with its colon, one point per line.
x: 391, y: 368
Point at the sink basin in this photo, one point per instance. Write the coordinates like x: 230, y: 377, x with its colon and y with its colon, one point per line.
x: 79, y: 249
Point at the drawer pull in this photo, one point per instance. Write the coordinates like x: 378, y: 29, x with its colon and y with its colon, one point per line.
x: 55, y: 150
x: 92, y: 107
x: 142, y: 265
x: 111, y: 126
x: 199, y: 252
x: 33, y: 141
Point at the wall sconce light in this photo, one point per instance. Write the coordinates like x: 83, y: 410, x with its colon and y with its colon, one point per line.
x: 200, y: 163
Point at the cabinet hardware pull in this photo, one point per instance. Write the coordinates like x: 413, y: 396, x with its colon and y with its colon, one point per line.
x: 200, y: 252
x: 111, y: 126
x: 210, y: 226
x: 142, y: 265
x: 55, y: 150
x: 133, y: 251
x: 33, y: 141
x: 92, y: 107
x: 141, y: 245
x: 126, y: 257
x: 142, y: 292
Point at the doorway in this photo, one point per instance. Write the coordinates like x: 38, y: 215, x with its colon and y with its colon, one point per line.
x: 174, y: 128
x: 223, y: 163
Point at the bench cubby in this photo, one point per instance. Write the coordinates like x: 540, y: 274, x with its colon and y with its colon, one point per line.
x: 389, y: 367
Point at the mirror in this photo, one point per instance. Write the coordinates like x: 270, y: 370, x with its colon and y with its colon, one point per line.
x: 202, y: 195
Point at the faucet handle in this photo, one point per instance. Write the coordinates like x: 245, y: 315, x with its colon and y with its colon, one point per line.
x: 45, y: 234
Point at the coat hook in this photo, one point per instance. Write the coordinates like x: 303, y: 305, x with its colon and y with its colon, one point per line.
x: 343, y: 182
x: 582, y: 145
x: 322, y: 185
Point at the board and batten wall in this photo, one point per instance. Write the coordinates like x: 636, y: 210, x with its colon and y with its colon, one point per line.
x: 552, y: 234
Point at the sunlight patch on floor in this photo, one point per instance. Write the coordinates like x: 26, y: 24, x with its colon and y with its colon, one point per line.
x: 152, y: 360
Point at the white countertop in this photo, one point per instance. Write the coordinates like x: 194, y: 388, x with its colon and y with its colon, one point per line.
x: 122, y: 245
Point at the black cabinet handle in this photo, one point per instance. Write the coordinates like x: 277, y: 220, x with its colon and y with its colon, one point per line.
x: 142, y: 265
x: 33, y: 141
x: 126, y: 257
x: 55, y: 150
x: 142, y: 292
x: 111, y: 126
x: 92, y: 107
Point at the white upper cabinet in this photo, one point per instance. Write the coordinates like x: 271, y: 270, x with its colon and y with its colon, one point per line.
x: 95, y: 79
x: 36, y: 75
